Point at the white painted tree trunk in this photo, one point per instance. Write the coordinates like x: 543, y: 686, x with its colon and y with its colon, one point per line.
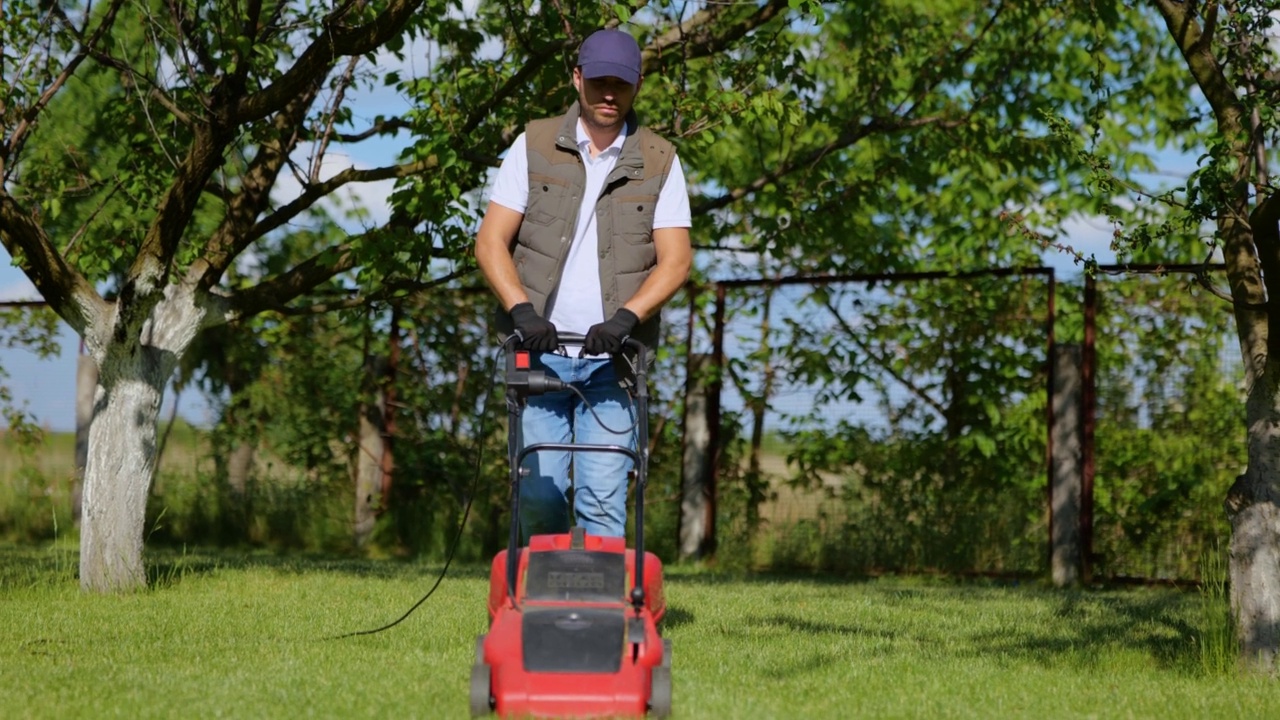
x: 1253, y: 505
x: 1255, y: 583
x: 134, y: 365
x: 122, y: 465
x: 369, y: 500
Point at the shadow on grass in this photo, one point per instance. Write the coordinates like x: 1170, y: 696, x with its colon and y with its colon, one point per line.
x: 1089, y: 626
x: 1020, y: 624
x: 51, y: 565
x: 676, y: 617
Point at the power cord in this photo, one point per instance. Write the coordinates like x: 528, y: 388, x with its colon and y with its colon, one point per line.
x: 466, y: 512
x: 475, y: 482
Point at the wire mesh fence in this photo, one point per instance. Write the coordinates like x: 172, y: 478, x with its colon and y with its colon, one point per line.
x: 888, y: 422
x: 1169, y: 421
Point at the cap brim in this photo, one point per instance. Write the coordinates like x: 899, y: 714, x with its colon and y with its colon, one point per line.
x: 607, y: 69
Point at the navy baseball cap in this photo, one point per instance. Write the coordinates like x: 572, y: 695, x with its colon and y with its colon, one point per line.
x: 610, y: 53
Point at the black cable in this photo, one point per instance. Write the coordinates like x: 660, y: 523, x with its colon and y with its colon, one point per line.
x: 466, y: 511
x: 635, y: 421
x: 631, y: 401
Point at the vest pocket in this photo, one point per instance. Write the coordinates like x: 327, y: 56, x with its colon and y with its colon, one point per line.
x: 546, y: 195
x: 633, y: 218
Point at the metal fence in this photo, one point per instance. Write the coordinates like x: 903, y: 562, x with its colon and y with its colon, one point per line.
x: 886, y: 422
x: 1165, y: 422
x: 901, y: 422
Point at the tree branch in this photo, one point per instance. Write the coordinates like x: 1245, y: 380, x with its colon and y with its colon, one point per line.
x: 849, y: 136
x: 65, y: 289
x: 387, y: 292
x: 702, y: 36
x: 314, y: 192
x: 333, y: 42
x: 856, y: 337
x: 274, y: 294
x: 234, y: 233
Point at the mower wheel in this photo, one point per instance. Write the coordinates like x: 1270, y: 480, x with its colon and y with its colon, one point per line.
x: 666, y: 653
x: 481, y: 701
x: 660, y: 692
x: 480, y: 649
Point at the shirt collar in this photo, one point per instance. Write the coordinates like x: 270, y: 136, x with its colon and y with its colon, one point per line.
x: 584, y: 142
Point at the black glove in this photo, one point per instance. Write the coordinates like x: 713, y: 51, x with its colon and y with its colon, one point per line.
x: 607, y: 337
x: 536, y: 332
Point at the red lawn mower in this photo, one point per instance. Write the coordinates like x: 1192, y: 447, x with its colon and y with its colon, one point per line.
x: 567, y: 638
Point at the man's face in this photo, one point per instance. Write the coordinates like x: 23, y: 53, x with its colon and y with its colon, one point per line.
x: 605, y: 101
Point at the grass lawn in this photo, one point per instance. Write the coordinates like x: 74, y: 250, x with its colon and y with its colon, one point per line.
x: 222, y: 634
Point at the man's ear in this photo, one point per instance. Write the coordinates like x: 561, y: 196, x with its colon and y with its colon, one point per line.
x: 577, y: 79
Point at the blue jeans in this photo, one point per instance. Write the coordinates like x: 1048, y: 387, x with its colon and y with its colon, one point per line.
x: 599, y: 478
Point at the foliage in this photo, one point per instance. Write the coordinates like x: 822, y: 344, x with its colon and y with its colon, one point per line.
x: 35, y: 488
x: 1166, y: 379
x: 1218, y: 643
x: 921, y: 421
x: 846, y: 137
x: 29, y: 329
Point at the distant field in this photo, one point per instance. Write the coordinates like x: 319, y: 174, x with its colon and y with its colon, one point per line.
x: 37, y: 480
x: 55, y: 457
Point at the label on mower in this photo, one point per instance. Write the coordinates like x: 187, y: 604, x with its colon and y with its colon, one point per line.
x: 582, y: 575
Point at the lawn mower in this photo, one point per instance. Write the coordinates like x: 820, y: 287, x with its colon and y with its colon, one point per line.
x: 567, y: 638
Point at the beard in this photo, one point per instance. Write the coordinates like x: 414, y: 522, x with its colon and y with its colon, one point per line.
x: 593, y: 117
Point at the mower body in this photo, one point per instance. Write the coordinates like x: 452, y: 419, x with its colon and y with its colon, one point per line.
x: 573, y: 618
x: 568, y: 643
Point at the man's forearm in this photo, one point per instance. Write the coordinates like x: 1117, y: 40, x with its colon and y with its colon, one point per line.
x: 493, y: 254
x: 500, y: 273
x: 668, y: 276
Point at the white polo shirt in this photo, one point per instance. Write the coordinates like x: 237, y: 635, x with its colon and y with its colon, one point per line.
x: 576, y: 304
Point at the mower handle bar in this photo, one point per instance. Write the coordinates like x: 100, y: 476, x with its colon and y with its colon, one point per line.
x: 517, y: 454
x: 575, y: 447
x: 578, y: 340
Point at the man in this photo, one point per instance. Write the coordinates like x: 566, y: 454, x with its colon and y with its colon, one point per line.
x: 587, y: 231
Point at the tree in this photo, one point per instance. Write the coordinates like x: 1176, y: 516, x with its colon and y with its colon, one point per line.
x: 231, y: 100
x: 900, y: 137
x: 1227, y: 50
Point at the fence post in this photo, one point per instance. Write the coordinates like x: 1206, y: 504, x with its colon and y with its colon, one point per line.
x: 370, y: 450
x: 1067, y: 471
x: 695, y: 498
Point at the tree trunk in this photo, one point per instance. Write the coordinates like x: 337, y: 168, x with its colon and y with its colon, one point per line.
x: 368, y: 475
x: 239, y: 466
x: 1253, y: 506
x: 86, y: 389
x: 695, y: 483
x: 1066, y: 548
x: 120, y: 468
x: 137, y: 349
x: 1253, y: 502
x: 370, y: 453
